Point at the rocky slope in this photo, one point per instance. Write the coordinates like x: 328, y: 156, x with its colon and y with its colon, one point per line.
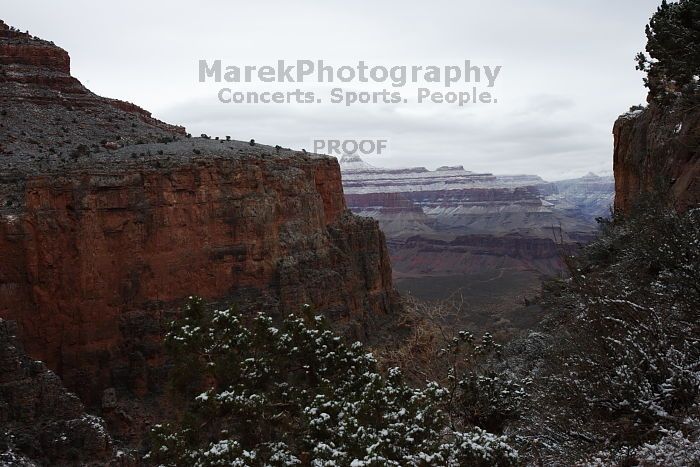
x: 657, y: 149
x: 110, y: 218
x: 40, y: 421
x: 44, y: 111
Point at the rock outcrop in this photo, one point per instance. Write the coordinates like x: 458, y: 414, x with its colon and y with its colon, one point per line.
x: 41, y: 423
x: 657, y: 149
x: 109, y: 219
x: 46, y: 111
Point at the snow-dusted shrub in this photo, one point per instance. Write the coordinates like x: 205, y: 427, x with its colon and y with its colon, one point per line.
x: 633, y: 313
x: 673, y: 448
x: 295, y: 393
x: 623, y: 369
x: 482, y: 394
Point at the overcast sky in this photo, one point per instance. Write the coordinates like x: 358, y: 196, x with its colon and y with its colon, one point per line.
x: 568, y: 71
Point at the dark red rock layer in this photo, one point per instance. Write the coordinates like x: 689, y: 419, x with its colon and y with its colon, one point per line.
x: 443, y: 197
x: 658, y: 149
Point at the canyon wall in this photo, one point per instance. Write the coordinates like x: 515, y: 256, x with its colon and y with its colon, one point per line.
x: 109, y: 219
x: 480, y: 240
x: 417, y: 206
x: 91, y: 253
x: 586, y: 198
x: 658, y: 149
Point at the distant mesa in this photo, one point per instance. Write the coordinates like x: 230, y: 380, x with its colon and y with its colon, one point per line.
x: 456, y: 226
x: 361, y: 177
x: 353, y: 162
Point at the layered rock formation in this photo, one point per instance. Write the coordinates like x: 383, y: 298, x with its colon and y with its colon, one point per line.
x: 110, y: 218
x: 488, y: 238
x: 41, y: 423
x: 586, y: 198
x: 45, y: 111
x: 451, y: 203
x: 657, y: 149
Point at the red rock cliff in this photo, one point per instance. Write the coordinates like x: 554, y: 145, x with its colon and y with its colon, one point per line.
x: 658, y: 148
x: 98, y: 245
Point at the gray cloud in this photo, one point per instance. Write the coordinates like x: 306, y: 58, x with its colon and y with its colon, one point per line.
x: 567, y: 70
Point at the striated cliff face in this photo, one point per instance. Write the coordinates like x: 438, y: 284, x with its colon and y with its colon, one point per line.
x: 658, y: 148
x: 110, y: 218
x: 419, y: 209
x: 90, y: 250
x: 475, y: 238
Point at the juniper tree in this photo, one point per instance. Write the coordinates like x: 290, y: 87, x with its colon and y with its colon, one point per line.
x: 294, y: 393
x: 672, y: 58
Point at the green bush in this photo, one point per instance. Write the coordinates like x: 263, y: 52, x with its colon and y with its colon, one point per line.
x: 672, y: 58
x: 622, y: 365
x: 295, y: 393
